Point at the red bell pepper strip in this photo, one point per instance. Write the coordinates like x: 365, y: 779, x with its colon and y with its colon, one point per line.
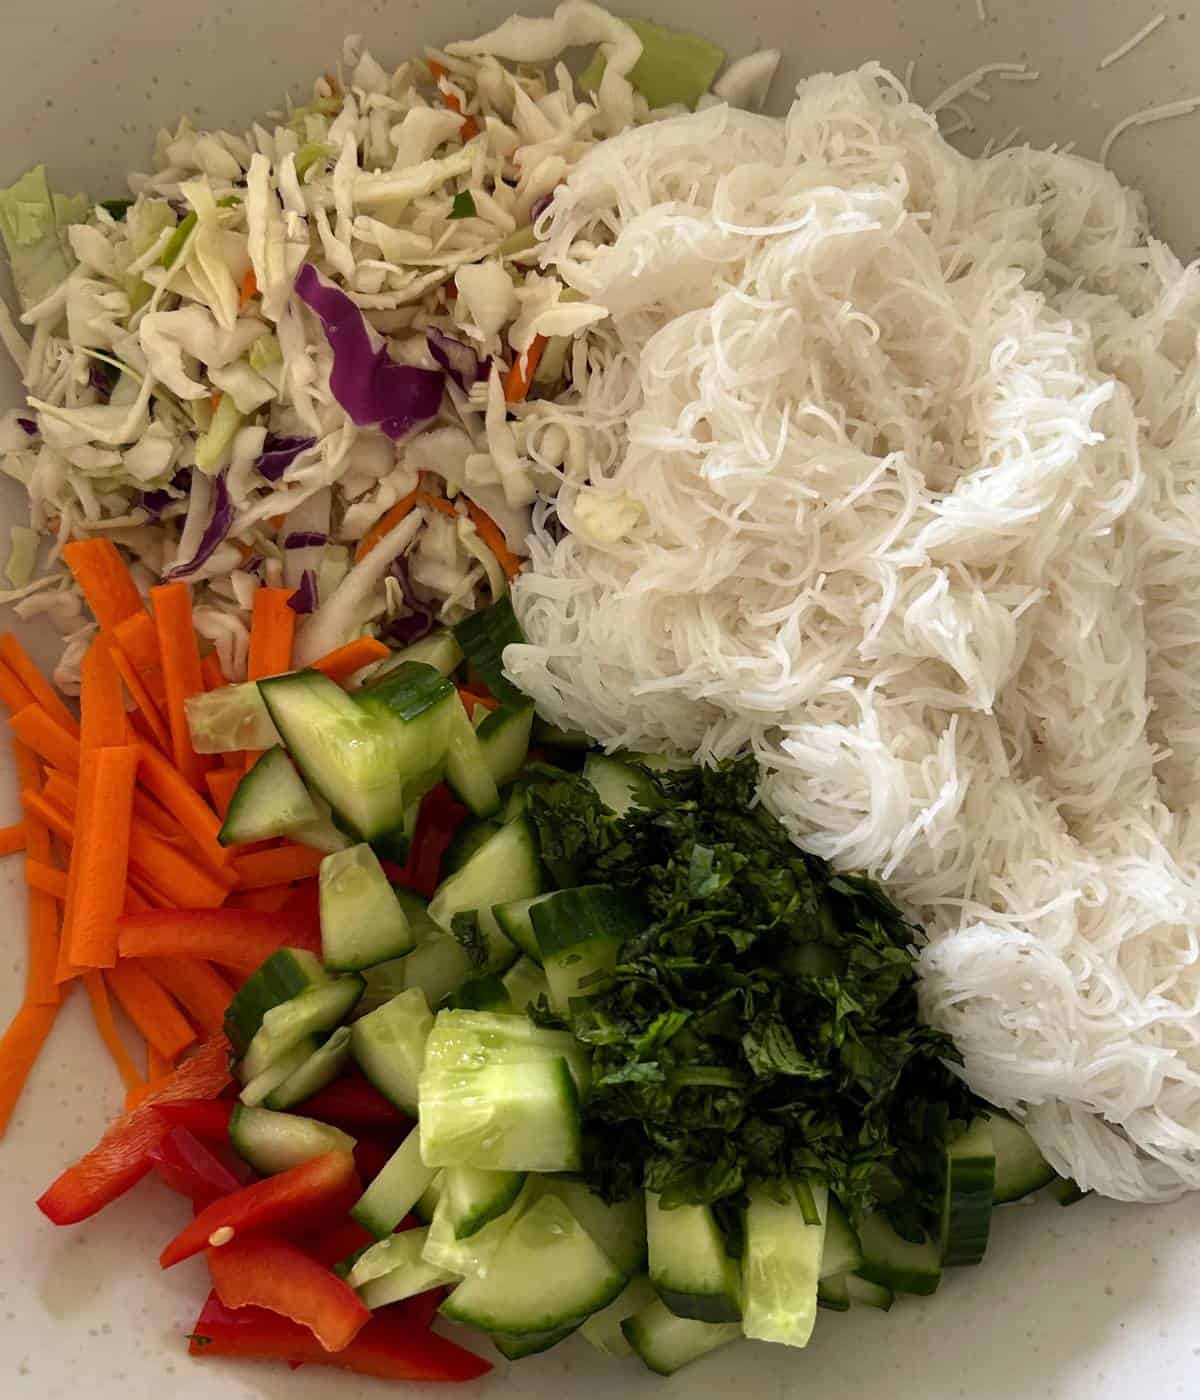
x: 208, y: 1119
x: 423, y: 1308
x: 389, y: 1346
x: 354, y: 1102
x: 297, y: 1199
x: 371, y: 1156
x: 122, y: 1156
x: 191, y: 1168
x: 238, y: 938
x: 439, y: 818
x: 339, y: 1242
x: 264, y: 1272
x: 303, y: 913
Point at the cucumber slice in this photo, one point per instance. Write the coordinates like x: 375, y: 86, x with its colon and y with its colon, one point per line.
x: 506, y: 867
x: 504, y: 740
x: 323, y: 834
x: 967, y: 1195
x: 666, y: 1343
x: 421, y: 707
x: 618, y: 786
x: 395, y: 1269
x: 438, y: 968
x: 269, y: 801
x: 689, y: 1266
x: 470, y: 1257
x: 603, y: 1328
x: 580, y: 933
x: 262, y: 1086
x: 547, y: 1275
x: 619, y: 1229
x: 1020, y: 1166
x: 871, y: 1295
x: 464, y: 843
x: 284, y: 975
x: 483, y: 637
x: 842, y: 1253
x: 467, y: 769
x: 515, y: 921
x: 384, y: 981
x: 782, y: 1264
x: 389, y: 1046
x: 465, y: 1040
x: 532, y: 1344
x: 897, y: 1263
x: 525, y: 984
x: 362, y: 921
x: 230, y: 719
x: 486, y: 993
x: 438, y: 650
x: 416, y: 911
x: 426, y: 1206
x: 286, y: 1025
x: 316, y: 1073
x: 395, y: 845
x: 473, y: 1198
x: 394, y: 1192
x: 832, y: 1293
x: 277, y: 1142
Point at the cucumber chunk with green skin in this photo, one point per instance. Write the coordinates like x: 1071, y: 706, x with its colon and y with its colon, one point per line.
x: 525, y: 984
x: 277, y: 1142
x: 1020, y: 1166
x: 362, y: 921
x: 270, y: 801
x: 389, y: 1046
x: 319, y: 1009
x: 470, y: 1257
x: 506, y: 867
x: 467, y: 770
x: 841, y: 1253
x: 515, y: 921
x: 323, y: 834
x: 896, y: 1263
x: 486, y: 993
x: 395, y: 845
x: 666, y: 1343
x: 463, y: 1040
x: 416, y: 911
x: 504, y: 741
x: 465, y: 842
x: 257, y: 1090
x: 689, y: 1266
x: 316, y: 1073
x: 618, y: 1227
x: 532, y: 1344
x: 833, y: 1293
x: 438, y: 650
x: 439, y: 967
x: 547, y: 1274
x: 504, y: 1117
x: 394, y: 1192
x: 483, y: 637
x: 419, y: 707
x: 426, y: 1206
x: 473, y: 1198
x: 618, y: 785
x: 284, y: 975
x: 395, y: 1269
x: 230, y: 719
x: 603, y: 1328
x: 782, y: 1263
x: 967, y: 1195
x: 871, y: 1295
x: 580, y: 934
x: 384, y: 981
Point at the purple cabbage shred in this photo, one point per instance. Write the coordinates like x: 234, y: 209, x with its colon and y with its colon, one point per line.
x: 304, y: 599
x: 218, y: 527
x: 458, y: 359
x: 305, y: 539
x: 29, y: 425
x: 279, y: 453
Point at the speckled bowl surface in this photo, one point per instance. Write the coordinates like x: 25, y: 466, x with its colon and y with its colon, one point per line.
x: 1099, y: 1302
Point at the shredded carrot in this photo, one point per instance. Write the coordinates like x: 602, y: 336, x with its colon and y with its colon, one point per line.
x: 41, y: 989
x: 200, y: 823
x: 182, y: 672
x: 469, y: 129
x: 46, y: 878
x: 270, y: 899
x: 45, y: 811
x: 20, y: 1046
x: 47, y: 738
x: 438, y: 71
x: 101, y: 699
x: 519, y: 378
x: 437, y: 503
x: 141, y: 895
x: 210, y: 669
x: 278, y: 867
x: 13, y: 693
x: 222, y: 783
x: 107, y: 1026
x: 137, y: 637
x: 197, y: 986
x: 214, y: 401
x: 492, y: 535
x: 249, y: 288
x: 151, y: 1010
x: 341, y: 664
x: 18, y: 660
x: 272, y: 627
x: 386, y: 523
x: 142, y: 698
x: 12, y: 839
x: 104, y: 829
x: 104, y: 579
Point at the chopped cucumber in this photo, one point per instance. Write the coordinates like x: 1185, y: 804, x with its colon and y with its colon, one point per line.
x: 516, y: 923
x: 504, y: 741
x: 316, y: 1073
x: 667, y: 1343
x: 967, y: 1195
x: 833, y: 1293
x: 284, y: 975
x: 483, y: 637
x: 319, y: 1009
x: 384, y: 981
x: 470, y: 1257
x: 603, y: 1328
x: 269, y: 801
x: 395, y: 1269
x: 485, y: 993
x: 438, y: 650
x: 1020, y: 1166
x: 689, y: 1266
x: 465, y: 842
x: 463, y: 1040
x: 580, y: 933
x: 506, y: 867
x: 416, y: 910
x: 362, y: 921
x: 394, y: 1192
x: 395, y: 845
x: 472, y: 1198
x: 389, y: 1045
x: 531, y: 1344
x: 525, y: 984
x: 618, y: 1228
x: 618, y: 786
x: 230, y: 719
x: 467, y: 769
x: 871, y: 1295
x: 547, y: 1274
x: 323, y: 834
x: 842, y: 1252
x: 277, y: 1142
x: 426, y: 1206
x: 420, y: 708
x: 897, y: 1263
x: 262, y: 1086
x: 782, y: 1264
x: 439, y: 967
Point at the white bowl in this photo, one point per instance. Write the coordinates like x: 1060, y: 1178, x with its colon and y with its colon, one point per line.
x: 1098, y: 1301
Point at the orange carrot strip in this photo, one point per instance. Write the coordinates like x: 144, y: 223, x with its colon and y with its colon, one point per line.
x: 77, y: 796
x: 151, y: 1010
x: 341, y: 664
x: 142, y: 698
x: 270, y: 899
x: 107, y: 1026
x: 36, y: 805
x: 14, y: 694
x: 249, y: 288
x: 272, y: 627
x: 520, y: 376
x: 104, y: 579
x: 12, y: 839
x: 137, y: 637
x: 29, y: 768
x: 101, y: 852
x: 158, y: 1067
x: 101, y: 699
x: 63, y: 791
x: 386, y: 523
x: 47, y: 738
x: 222, y: 783
x: 210, y: 669
x: 45, y: 879
x: 18, y: 660
x: 200, y: 823
x: 141, y: 895
x: 20, y: 1046
x: 40, y: 987
x: 182, y: 672
x: 437, y: 503
x: 492, y: 535
x: 278, y: 867
x: 469, y: 129
x: 197, y: 986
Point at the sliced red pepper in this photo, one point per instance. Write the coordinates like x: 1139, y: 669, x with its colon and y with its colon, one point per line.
x: 303, y: 913
x: 422, y: 1309
x: 300, y: 1198
x: 264, y: 1272
x: 354, y: 1102
x: 389, y: 1346
x: 122, y: 1156
x: 242, y: 939
x: 208, y: 1119
x: 192, y: 1169
x: 339, y: 1242
x: 371, y: 1156
x: 440, y: 817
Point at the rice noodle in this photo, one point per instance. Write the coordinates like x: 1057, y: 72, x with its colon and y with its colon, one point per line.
x: 895, y: 478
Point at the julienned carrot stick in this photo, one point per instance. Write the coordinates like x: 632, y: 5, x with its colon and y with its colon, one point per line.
x: 143, y: 700
x: 137, y: 637
x: 182, y: 674
x: 12, y: 692
x: 200, y: 823
x: 386, y: 523
x: 341, y: 664
x: 277, y: 867
x: 105, y: 581
x: 272, y: 628
x: 249, y: 287
x: 151, y: 1010
x: 101, y: 852
x: 45, y: 879
x: 493, y: 536
x: 141, y: 895
x: 47, y: 738
x: 234, y: 938
x: 210, y: 668
x: 519, y: 378
x: 438, y: 503
x: 12, y: 839
x: 222, y: 783
x: 14, y: 655
x: 197, y: 986
x: 102, y: 720
x: 19, y: 1048
x: 46, y: 811
x: 107, y: 1026
x: 40, y: 987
